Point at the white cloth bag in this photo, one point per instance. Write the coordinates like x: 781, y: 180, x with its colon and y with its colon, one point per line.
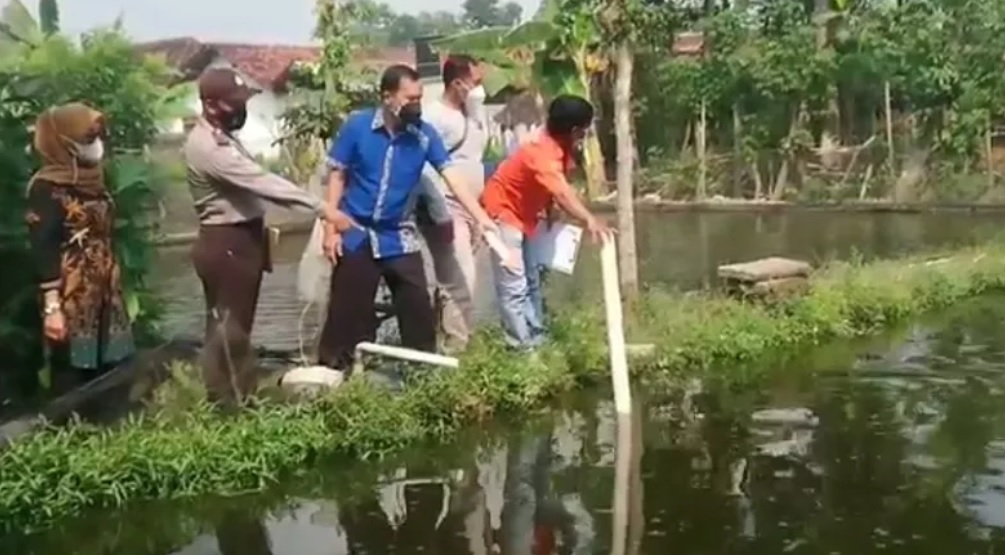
x: 315, y: 271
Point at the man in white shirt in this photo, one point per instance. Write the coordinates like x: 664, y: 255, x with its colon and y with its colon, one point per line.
x: 459, y: 118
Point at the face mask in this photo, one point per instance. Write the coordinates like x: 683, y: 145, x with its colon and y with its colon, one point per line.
x: 474, y: 102
x: 236, y: 118
x: 411, y: 113
x: 90, y: 153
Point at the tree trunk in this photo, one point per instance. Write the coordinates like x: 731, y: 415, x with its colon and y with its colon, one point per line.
x: 593, y: 162
x: 830, y: 137
x: 888, y: 116
x: 782, y: 179
x: 626, y: 158
x: 702, y: 190
x: 989, y: 153
x: 738, y: 162
x: 593, y: 156
x: 755, y: 170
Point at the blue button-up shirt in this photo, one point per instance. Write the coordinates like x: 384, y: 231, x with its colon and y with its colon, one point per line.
x: 382, y: 180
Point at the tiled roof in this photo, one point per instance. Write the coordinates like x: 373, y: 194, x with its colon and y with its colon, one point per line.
x: 267, y: 64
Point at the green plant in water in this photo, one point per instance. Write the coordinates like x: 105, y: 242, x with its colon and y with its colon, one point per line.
x: 59, y: 472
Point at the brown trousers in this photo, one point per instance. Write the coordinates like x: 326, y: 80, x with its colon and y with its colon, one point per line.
x: 229, y: 260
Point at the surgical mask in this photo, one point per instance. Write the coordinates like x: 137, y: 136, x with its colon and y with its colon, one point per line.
x: 236, y: 118
x: 411, y: 113
x: 90, y: 153
x: 475, y: 101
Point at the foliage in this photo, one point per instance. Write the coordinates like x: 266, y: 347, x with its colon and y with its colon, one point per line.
x: 48, y: 16
x: 780, y: 78
x: 385, y: 27
x: 18, y: 29
x: 104, y: 72
x: 59, y: 472
x: 488, y: 13
x: 323, y: 94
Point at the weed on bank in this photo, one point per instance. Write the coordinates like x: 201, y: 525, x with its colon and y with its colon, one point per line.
x: 172, y: 454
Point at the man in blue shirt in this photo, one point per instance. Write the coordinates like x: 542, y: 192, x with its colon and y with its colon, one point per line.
x: 377, y: 161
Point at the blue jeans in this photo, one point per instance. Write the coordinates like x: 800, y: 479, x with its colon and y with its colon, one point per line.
x: 518, y: 293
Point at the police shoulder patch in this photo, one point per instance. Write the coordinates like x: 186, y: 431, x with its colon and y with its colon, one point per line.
x: 221, y: 138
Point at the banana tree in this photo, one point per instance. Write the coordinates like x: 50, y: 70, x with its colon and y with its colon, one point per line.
x: 555, y: 53
x: 18, y: 29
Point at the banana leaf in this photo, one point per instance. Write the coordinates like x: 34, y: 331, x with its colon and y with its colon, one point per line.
x: 18, y: 25
x: 530, y: 34
x: 479, y: 40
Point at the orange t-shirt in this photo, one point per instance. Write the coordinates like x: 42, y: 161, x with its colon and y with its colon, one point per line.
x: 524, y: 185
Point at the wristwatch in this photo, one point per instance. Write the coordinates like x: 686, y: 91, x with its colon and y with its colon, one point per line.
x: 52, y: 308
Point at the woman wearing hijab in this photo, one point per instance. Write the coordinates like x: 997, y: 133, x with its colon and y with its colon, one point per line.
x: 70, y: 222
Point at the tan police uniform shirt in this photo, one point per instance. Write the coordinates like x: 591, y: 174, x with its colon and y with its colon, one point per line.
x: 228, y: 186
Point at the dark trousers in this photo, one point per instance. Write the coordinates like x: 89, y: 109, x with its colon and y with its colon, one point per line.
x: 229, y: 260
x: 351, y: 314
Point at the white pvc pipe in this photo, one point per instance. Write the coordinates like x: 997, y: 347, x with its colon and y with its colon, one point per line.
x: 615, y: 327
x: 403, y: 353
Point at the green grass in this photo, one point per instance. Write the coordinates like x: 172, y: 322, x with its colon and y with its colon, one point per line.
x: 175, y: 454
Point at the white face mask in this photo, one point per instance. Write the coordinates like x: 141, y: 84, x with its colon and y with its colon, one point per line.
x: 475, y: 101
x: 92, y: 152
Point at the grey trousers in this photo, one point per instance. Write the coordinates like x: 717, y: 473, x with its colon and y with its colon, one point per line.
x: 452, y: 274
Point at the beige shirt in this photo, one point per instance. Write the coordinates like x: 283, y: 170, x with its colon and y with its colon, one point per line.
x: 228, y: 186
x: 450, y: 123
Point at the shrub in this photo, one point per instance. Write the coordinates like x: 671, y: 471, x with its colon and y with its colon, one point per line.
x: 104, y: 72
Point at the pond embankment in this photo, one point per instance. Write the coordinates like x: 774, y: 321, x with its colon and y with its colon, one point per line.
x: 60, y: 472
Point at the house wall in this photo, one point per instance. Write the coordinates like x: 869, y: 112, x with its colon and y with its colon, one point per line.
x: 263, y: 127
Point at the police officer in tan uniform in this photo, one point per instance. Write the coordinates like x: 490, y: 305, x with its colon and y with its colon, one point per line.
x: 229, y: 189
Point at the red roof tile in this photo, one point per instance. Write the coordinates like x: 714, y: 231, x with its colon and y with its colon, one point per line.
x: 267, y: 64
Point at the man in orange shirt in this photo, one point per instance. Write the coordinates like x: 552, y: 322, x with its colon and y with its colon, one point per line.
x: 525, y: 185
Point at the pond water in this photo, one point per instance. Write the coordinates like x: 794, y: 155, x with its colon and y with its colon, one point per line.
x: 891, y: 445
x: 675, y: 249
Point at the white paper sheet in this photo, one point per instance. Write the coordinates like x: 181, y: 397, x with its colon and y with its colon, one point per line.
x: 557, y: 248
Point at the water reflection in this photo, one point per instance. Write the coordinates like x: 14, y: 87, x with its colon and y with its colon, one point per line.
x: 895, y: 445
x: 535, y: 518
x: 240, y: 533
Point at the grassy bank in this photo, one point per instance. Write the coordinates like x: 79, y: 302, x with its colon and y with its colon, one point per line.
x: 57, y: 473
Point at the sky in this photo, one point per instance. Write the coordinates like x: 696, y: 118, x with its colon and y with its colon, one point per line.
x: 256, y: 21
